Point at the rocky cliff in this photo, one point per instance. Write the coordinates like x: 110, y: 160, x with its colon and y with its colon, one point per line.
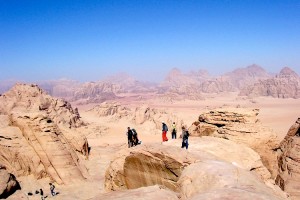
x: 38, y: 135
x: 289, y: 162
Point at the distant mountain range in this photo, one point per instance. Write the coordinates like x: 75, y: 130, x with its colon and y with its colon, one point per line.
x: 250, y: 81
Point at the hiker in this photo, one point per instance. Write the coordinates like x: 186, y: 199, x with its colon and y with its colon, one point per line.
x: 129, y: 136
x: 185, y: 138
x: 135, y: 139
x: 164, y: 132
x: 174, y: 132
x: 42, y: 194
x: 52, y: 187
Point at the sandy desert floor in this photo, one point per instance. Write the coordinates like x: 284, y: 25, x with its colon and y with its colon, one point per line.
x: 106, y: 136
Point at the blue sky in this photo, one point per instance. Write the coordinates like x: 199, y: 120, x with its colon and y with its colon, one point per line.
x: 88, y: 40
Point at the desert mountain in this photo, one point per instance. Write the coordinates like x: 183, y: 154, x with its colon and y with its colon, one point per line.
x: 129, y: 84
x: 63, y: 88
x: 242, y: 77
x: 39, y: 137
x: 178, y: 82
x: 284, y: 85
x: 96, y: 92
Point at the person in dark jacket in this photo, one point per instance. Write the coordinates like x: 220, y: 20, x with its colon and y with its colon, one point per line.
x: 129, y: 137
x: 185, y: 138
x: 42, y: 194
x: 164, y: 132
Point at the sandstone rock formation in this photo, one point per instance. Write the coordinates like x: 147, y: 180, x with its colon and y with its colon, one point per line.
x: 241, y: 126
x: 285, y: 85
x: 150, y: 118
x: 146, y: 166
x: 227, y: 151
x: 189, y: 173
x: 8, y: 183
x: 38, y: 135
x: 96, y: 92
x: 145, y: 114
x: 211, y: 176
x: 111, y: 109
x: 289, y: 162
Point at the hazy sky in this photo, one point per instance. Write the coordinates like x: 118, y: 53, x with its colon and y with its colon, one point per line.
x: 89, y: 39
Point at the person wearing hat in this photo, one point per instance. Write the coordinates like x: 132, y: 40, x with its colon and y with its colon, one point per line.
x: 164, y: 131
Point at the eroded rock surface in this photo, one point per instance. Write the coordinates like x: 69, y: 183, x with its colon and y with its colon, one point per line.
x: 145, y: 166
x: 38, y: 135
x: 289, y: 162
x: 202, y: 170
x: 241, y: 126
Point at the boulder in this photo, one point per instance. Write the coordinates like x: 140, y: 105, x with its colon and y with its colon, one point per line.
x: 146, y: 166
x: 8, y: 183
x: 289, y: 162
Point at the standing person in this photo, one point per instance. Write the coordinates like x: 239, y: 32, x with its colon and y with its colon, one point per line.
x: 164, y: 132
x: 42, y: 194
x: 129, y: 137
x: 174, y: 132
x: 185, y: 138
x: 52, y: 187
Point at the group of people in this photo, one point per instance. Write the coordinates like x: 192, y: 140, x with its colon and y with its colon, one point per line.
x: 132, y: 137
x: 133, y: 140
x: 41, y: 192
x: 185, y: 134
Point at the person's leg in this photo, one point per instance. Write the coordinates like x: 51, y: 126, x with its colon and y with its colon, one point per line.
x: 166, y: 135
x: 187, y: 144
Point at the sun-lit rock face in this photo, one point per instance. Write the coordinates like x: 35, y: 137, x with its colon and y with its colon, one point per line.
x: 289, y: 162
x: 241, y: 126
x: 8, y: 183
x: 38, y: 135
x: 145, y: 166
x: 285, y: 85
x: 209, y: 166
x: 212, y: 176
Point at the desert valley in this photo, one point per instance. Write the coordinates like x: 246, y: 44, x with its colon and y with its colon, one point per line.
x: 244, y: 137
